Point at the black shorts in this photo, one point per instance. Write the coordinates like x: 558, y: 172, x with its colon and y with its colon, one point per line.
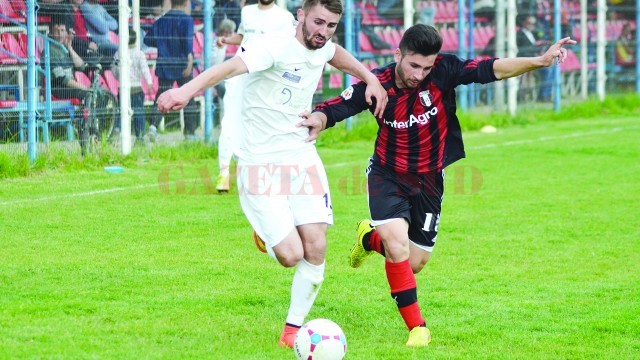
x: 415, y: 197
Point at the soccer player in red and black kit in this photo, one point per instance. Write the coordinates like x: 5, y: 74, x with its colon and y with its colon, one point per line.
x: 419, y: 136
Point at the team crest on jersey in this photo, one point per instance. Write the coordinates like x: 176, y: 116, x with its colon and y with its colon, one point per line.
x: 347, y: 93
x: 425, y: 98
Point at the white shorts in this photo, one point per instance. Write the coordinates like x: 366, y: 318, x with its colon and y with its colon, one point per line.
x: 277, y: 197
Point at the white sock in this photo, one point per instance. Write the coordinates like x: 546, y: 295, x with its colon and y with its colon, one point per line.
x: 304, y: 289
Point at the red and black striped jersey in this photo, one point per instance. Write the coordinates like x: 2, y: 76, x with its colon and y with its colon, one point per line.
x: 419, y: 131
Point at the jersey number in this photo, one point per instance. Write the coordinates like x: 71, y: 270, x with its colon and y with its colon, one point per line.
x: 286, y: 96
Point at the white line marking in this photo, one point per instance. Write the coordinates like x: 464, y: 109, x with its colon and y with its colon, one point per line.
x: 479, y: 147
x: 550, y: 138
x: 82, y: 194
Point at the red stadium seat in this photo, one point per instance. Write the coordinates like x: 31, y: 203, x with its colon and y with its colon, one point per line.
x: 6, y: 9
x: 113, y: 37
x: 109, y: 81
x: 82, y: 78
x: 11, y: 44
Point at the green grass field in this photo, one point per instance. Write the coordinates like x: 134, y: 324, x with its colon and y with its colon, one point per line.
x: 538, y: 257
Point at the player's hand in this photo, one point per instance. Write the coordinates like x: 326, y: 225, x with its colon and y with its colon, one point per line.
x: 557, y: 51
x: 375, y: 90
x: 221, y: 41
x: 313, y: 122
x: 173, y: 99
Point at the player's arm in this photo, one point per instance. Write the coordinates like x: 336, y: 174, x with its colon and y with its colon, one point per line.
x: 233, y: 39
x: 345, y: 62
x: 352, y: 101
x: 510, y: 67
x: 176, y: 99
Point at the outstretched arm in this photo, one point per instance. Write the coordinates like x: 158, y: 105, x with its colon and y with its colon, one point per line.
x: 344, y: 61
x: 176, y: 99
x: 510, y: 67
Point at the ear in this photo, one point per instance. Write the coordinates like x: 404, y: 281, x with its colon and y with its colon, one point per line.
x: 300, y: 15
x: 397, y: 55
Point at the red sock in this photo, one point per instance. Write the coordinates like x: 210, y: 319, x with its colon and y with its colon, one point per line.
x: 374, y: 242
x: 403, y: 290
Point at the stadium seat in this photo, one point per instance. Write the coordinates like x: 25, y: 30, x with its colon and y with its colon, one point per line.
x: 231, y: 51
x: 572, y: 63
x: 22, y: 40
x: 7, y: 9
x: 82, y: 78
x: 198, y: 44
x: 114, y: 38
x: 365, y: 44
x: 109, y: 82
x: 10, y: 45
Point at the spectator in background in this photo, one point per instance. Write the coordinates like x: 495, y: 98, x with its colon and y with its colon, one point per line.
x: 530, y: 42
x: 226, y: 28
x: 226, y: 9
x: 624, y: 47
x: 138, y: 70
x: 172, y: 35
x: 98, y: 23
x: 63, y: 63
x: 84, y: 46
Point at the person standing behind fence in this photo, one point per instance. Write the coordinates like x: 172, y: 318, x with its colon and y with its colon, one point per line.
x: 172, y: 35
x: 265, y: 17
x: 138, y: 70
x: 226, y: 28
x: 530, y: 43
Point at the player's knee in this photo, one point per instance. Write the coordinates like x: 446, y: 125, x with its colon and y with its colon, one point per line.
x: 290, y: 258
x: 397, y: 250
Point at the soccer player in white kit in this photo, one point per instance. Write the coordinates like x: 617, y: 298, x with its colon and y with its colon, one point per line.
x: 263, y: 18
x: 281, y: 179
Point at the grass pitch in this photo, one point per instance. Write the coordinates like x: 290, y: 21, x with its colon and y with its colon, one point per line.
x: 537, y: 258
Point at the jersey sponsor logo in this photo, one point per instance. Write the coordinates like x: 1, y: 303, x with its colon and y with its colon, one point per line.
x: 421, y: 119
x: 425, y: 98
x: 296, y: 69
x: 292, y: 77
x: 347, y: 93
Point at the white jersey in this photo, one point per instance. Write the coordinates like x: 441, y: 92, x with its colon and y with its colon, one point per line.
x: 283, y: 76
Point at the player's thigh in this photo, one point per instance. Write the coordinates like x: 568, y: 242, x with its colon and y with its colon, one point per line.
x: 309, y: 195
x: 387, y: 197
x: 425, y: 212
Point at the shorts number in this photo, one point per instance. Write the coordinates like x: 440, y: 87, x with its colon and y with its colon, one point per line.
x: 327, y: 201
x: 431, y: 222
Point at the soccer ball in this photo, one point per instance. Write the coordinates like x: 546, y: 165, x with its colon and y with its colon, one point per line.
x: 320, y: 339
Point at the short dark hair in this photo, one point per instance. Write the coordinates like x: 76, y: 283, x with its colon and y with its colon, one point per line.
x: 421, y: 39
x: 335, y: 6
x: 175, y: 3
x: 133, y: 35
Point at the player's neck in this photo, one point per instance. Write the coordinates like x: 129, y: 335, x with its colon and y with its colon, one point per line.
x: 266, y: 7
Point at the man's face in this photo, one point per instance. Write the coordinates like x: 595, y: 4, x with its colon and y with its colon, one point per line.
x: 318, y: 26
x: 412, y: 68
x: 59, y: 32
x: 530, y: 23
x: 266, y: 2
